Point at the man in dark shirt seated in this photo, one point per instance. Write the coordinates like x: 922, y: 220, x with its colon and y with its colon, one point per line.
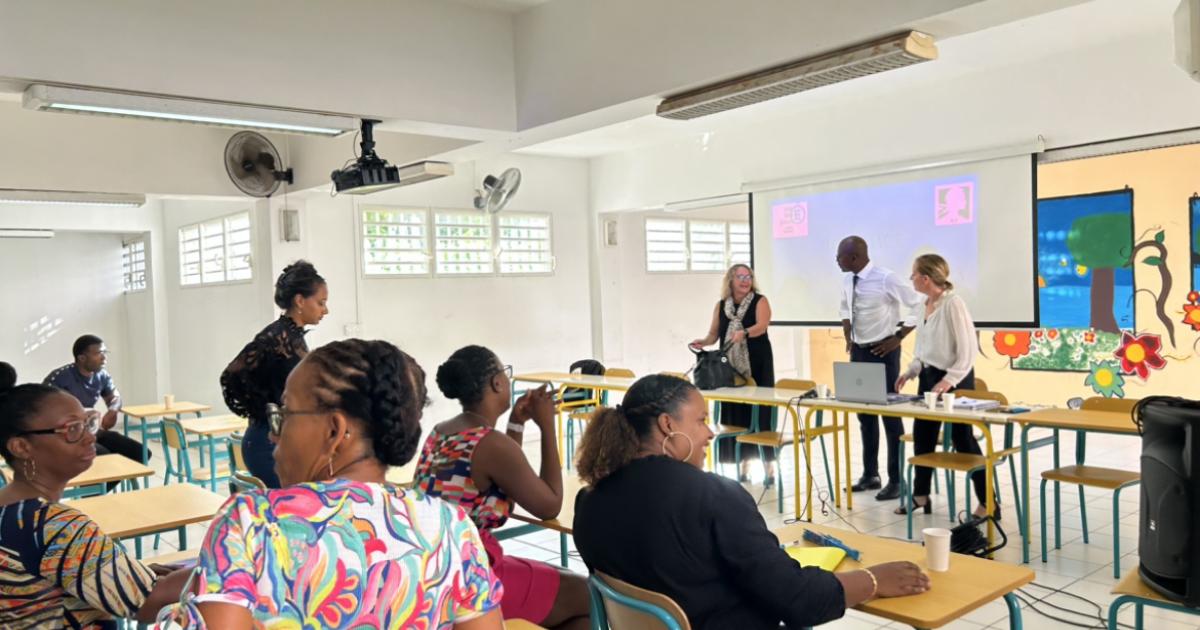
x: 87, y: 380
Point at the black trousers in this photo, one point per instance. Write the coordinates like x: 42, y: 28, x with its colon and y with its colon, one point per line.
x: 869, y: 422
x: 113, y: 442
x: 925, y: 433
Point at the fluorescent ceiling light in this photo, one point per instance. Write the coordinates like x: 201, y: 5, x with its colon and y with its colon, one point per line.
x: 888, y: 53
x: 7, y: 233
x: 706, y: 202
x: 69, y: 197
x: 77, y: 100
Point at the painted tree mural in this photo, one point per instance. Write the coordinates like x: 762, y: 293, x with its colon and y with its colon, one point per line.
x: 1100, y: 242
x: 1159, y: 260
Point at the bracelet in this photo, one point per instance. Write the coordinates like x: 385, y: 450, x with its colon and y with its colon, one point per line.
x: 874, y: 584
x: 516, y: 427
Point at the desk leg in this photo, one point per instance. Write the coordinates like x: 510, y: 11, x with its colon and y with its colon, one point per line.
x: 837, y: 462
x: 145, y: 443
x: 795, y: 457
x: 1057, y: 500
x: 849, y: 474
x: 212, y: 462
x: 808, y: 473
x: 137, y: 547
x: 183, y: 538
x: 1025, y: 492
x: 1014, y: 612
x: 562, y: 550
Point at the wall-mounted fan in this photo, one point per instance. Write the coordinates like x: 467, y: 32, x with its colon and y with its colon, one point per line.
x: 497, y: 191
x: 253, y: 164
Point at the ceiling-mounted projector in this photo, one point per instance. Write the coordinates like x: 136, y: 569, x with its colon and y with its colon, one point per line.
x: 370, y: 173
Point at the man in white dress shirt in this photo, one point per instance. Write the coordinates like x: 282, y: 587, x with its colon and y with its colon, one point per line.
x: 878, y: 309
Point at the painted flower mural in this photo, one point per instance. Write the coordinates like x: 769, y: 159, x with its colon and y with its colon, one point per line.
x: 1140, y: 353
x: 1105, y: 379
x: 1011, y: 343
x: 1191, y: 311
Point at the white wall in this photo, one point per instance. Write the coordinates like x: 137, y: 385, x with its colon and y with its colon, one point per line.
x: 208, y: 325
x: 647, y: 318
x: 532, y: 322
x: 56, y: 290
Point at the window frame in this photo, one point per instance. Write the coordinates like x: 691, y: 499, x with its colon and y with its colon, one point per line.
x: 225, y: 246
x: 498, y: 248
x: 127, y: 271
x: 687, y: 244
x: 427, y: 245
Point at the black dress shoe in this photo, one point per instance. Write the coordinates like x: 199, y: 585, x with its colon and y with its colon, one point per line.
x: 914, y: 506
x: 867, y: 483
x: 890, y: 492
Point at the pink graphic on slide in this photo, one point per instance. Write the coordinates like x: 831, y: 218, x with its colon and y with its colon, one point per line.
x: 955, y: 203
x: 790, y: 219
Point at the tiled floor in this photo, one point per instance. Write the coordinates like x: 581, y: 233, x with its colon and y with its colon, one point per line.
x: 1082, y: 574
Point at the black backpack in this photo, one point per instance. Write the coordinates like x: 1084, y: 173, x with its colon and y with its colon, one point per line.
x: 584, y: 366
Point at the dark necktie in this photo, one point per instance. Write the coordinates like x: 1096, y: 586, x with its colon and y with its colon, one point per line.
x: 853, y: 291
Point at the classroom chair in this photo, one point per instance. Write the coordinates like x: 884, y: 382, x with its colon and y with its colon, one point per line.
x: 1082, y: 475
x: 581, y: 411
x: 777, y: 439
x: 623, y: 606
x: 242, y: 481
x: 180, y: 468
x: 967, y: 463
x: 234, y: 444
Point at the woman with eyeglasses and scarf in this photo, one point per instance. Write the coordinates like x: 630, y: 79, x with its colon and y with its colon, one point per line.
x: 57, y: 568
x: 741, y: 319
x: 467, y: 462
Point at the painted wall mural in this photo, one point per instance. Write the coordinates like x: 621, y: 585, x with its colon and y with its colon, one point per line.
x: 1085, y: 283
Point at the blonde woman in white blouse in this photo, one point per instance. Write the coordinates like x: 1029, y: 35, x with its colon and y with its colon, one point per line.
x: 942, y: 362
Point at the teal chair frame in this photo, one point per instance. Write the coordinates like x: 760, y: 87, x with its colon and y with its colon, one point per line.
x: 1139, y: 604
x: 601, y: 592
x: 754, y: 428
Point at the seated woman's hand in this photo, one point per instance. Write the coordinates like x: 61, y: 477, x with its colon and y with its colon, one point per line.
x: 542, y: 408
x: 897, y: 579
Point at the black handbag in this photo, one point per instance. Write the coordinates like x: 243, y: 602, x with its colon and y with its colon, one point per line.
x: 713, y: 370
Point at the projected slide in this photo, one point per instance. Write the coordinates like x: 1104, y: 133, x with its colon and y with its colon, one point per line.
x: 978, y: 216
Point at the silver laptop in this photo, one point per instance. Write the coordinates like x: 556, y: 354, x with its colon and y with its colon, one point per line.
x: 864, y: 383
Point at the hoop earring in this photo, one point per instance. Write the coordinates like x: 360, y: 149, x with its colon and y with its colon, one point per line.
x: 691, y: 445
x: 30, y: 475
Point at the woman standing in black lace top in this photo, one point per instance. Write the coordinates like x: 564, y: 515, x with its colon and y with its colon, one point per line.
x: 255, y: 378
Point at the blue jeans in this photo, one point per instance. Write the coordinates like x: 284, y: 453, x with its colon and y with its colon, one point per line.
x: 259, y: 454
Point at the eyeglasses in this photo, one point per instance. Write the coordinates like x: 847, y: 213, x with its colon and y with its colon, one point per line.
x: 744, y: 277
x: 276, y: 415
x: 507, y: 369
x: 72, y: 432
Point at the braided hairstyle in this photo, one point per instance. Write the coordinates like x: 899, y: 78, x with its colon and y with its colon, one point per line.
x: 377, y: 383
x: 465, y: 375
x: 299, y: 278
x: 18, y: 403
x: 614, y: 436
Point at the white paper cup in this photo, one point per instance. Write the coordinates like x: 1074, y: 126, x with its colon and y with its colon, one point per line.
x: 937, y: 548
x: 948, y: 400
x: 169, y: 401
x: 931, y: 399
x: 822, y: 390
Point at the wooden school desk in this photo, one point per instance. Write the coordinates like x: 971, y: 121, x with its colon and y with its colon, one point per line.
x: 969, y: 584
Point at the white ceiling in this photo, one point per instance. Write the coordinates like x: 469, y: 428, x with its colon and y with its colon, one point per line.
x: 1006, y: 45
x: 505, y: 6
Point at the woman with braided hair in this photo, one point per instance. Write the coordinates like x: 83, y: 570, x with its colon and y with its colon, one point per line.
x: 652, y: 517
x: 338, y: 546
x: 257, y: 374
x: 467, y: 462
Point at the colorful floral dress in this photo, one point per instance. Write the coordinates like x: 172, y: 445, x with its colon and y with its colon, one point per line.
x: 58, y: 570
x: 344, y: 554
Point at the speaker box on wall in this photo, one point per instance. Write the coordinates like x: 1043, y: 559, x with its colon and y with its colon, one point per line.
x: 1187, y: 37
x: 1169, y: 536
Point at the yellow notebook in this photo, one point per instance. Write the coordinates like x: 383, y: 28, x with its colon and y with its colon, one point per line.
x: 827, y: 558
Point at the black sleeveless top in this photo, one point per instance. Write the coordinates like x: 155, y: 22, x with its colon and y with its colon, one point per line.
x: 762, y: 360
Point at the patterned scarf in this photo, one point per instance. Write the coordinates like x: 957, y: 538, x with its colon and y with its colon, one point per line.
x: 738, y: 353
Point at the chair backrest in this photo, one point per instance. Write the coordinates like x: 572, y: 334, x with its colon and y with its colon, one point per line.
x: 795, y: 383
x: 620, y: 372
x: 172, y: 433
x: 623, y: 606
x: 1120, y: 405
x: 246, y: 481
x: 235, y: 451
x: 676, y: 375
x: 980, y: 385
x: 982, y: 394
